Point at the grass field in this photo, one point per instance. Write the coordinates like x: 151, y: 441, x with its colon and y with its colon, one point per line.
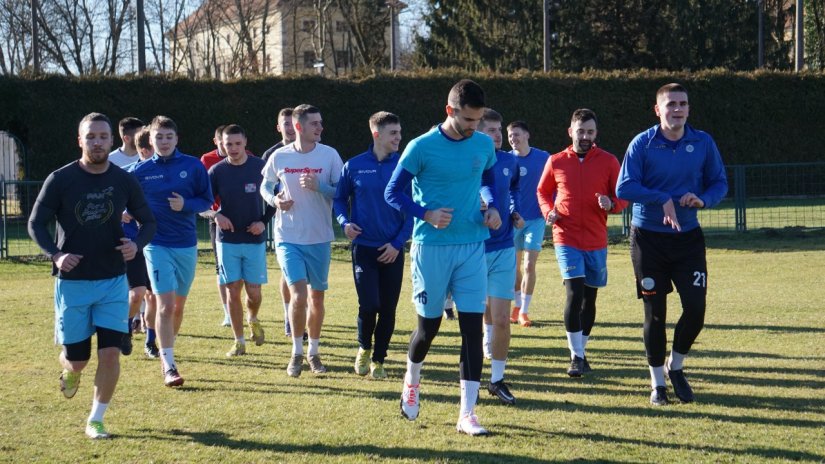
x: 758, y: 370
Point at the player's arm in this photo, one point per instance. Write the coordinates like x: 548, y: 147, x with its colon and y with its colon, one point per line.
x: 492, y: 218
x: 613, y: 176
x: 44, y: 210
x: 139, y: 209
x: 546, y: 190
x: 396, y: 193
x: 202, y: 199
x: 340, y: 202
x: 714, y: 178
x: 629, y: 184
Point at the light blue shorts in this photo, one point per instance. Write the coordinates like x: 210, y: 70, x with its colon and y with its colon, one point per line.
x: 241, y: 261
x: 501, y: 273
x: 305, y: 262
x: 82, y: 305
x: 531, y: 236
x: 171, y: 269
x: 574, y: 263
x: 456, y: 269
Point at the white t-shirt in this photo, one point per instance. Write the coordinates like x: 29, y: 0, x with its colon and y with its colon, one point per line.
x: 309, y: 220
x: 120, y: 159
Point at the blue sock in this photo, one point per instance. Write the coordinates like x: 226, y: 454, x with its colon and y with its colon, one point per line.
x: 150, y: 336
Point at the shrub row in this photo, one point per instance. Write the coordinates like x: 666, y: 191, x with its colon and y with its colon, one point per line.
x: 759, y: 117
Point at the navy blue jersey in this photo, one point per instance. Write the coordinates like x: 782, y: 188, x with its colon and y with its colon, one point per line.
x: 359, y: 199
x: 507, y: 175
x: 238, y: 187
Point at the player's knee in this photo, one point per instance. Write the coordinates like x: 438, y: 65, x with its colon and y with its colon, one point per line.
x: 108, y: 358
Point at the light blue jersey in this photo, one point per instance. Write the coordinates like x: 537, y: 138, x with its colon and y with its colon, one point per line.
x: 447, y: 174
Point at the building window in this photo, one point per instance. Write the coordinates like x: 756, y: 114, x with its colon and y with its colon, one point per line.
x: 341, y: 26
x: 342, y: 58
x: 308, y: 26
x: 309, y: 59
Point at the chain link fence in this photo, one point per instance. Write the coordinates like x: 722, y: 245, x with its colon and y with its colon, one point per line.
x: 764, y: 196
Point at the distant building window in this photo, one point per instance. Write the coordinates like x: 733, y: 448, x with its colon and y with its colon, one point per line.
x: 309, y: 59
x: 341, y: 26
x: 309, y: 26
x: 342, y: 58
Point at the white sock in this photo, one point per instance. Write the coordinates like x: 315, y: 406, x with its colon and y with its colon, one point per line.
x: 313, y: 346
x: 574, y: 343
x: 469, y: 396
x: 518, y: 299
x: 241, y: 340
x: 525, y: 303
x: 585, y: 338
x: 497, y: 370
x: 448, y: 303
x: 413, y: 375
x: 226, y: 310
x: 298, y: 346
x: 98, y: 410
x: 488, y: 332
x: 657, y: 376
x: 676, y: 361
x: 167, y: 355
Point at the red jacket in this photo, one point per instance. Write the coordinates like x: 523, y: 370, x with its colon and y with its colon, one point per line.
x: 208, y: 160
x: 570, y: 186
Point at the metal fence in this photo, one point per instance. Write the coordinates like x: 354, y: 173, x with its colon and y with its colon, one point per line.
x: 759, y: 196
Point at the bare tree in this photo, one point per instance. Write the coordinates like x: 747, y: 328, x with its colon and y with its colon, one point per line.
x: 367, y: 20
x: 15, y: 37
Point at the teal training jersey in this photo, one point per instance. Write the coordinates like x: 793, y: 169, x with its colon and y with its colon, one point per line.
x: 447, y: 174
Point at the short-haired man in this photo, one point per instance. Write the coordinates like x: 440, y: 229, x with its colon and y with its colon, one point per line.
x: 445, y: 167
x: 576, y: 192
x: 529, y: 238
x: 241, y: 221
x: 500, y: 253
x: 208, y: 160
x: 669, y: 172
x: 378, y: 233
x: 127, y: 153
x: 287, y: 130
x: 177, y: 189
x: 306, y: 172
x: 86, y: 198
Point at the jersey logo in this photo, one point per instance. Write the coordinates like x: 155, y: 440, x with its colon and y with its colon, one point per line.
x: 95, y: 208
x: 367, y: 171
x: 183, y: 174
x: 689, y: 148
x: 522, y: 171
x: 506, y: 172
x: 250, y: 188
x: 306, y: 170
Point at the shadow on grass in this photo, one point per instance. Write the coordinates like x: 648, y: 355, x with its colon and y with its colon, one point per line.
x: 770, y: 240
x: 744, y: 327
x: 704, y: 448
x: 324, y: 452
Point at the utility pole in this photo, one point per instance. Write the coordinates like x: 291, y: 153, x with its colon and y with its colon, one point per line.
x: 546, y: 15
x: 800, y: 36
x: 395, y: 7
x: 35, y: 41
x: 141, y: 32
x: 760, y: 7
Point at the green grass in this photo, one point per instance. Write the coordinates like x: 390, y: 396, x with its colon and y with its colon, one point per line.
x: 757, y: 370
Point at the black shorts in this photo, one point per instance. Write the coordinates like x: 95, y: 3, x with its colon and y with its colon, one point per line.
x: 136, y: 272
x: 213, y: 237
x: 660, y: 258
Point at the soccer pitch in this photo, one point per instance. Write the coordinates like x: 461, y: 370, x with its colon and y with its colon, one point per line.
x: 758, y: 370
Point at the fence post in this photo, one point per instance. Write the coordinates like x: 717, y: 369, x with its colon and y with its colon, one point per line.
x: 4, y: 241
x: 627, y: 216
x: 739, y: 197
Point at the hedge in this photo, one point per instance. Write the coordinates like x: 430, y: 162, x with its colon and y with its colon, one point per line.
x: 758, y: 117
